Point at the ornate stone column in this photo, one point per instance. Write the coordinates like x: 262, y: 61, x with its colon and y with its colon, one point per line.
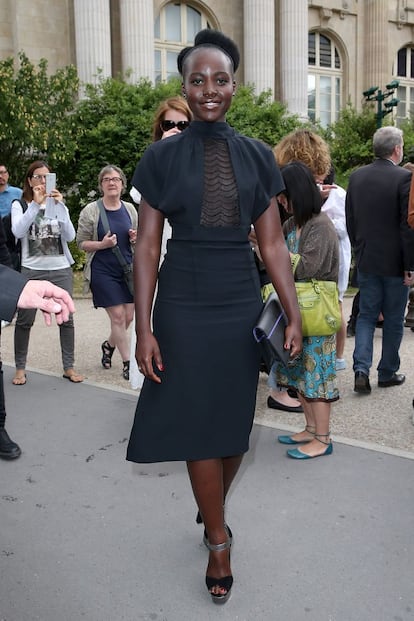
x: 377, y: 69
x: 259, y: 44
x: 137, y: 32
x: 93, y: 39
x: 293, y: 29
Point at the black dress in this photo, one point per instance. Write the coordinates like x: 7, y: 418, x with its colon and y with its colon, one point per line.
x: 211, y: 184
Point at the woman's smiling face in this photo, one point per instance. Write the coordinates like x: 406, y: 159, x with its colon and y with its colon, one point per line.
x: 208, y: 83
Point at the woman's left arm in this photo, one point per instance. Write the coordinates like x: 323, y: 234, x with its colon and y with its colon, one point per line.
x: 276, y: 258
x: 132, y: 231
x: 67, y: 230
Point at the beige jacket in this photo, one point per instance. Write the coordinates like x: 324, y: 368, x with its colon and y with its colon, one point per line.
x: 88, y: 231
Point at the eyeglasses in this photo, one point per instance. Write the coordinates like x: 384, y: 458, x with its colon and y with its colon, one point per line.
x: 4, y: 172
x: 167, y: 125
x: 109, y: 179
x: 38, y: 177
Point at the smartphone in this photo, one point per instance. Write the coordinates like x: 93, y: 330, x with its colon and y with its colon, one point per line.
x: 50, y: 182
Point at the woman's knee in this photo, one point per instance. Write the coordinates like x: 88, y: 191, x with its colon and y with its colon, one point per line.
x: 117, y: 316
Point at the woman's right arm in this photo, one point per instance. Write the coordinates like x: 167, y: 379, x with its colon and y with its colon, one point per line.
x: 21, y: 221
x: 85, y: 233
x: 109, y: 241
x: 146, y: 262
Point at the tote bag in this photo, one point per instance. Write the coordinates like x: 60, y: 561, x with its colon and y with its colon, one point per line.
x: 319, y: 307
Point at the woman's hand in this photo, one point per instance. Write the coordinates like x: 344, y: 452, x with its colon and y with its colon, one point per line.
x: 293, y: 339
x: 170, y: 132
x: 324, y: 189
x: 56, y: 195
x: 39, y: 194
x: 132, y: 235
x: 409, y: 279
x: 109, y: 241
x: 147, y: 353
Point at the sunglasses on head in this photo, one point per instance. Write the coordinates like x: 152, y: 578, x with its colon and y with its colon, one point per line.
x: 167, y: 125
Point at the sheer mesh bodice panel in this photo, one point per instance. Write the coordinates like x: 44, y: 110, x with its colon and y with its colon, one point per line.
x: 220, y: 199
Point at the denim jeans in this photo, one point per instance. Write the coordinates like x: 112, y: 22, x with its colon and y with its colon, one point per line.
x: 386, y: 294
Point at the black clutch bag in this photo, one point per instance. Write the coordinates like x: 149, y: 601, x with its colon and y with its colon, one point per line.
x: 269, y: 332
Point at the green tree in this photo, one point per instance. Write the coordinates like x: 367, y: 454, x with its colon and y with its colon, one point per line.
x: 408, y: 130
x: 36, y: 116
x: 350, y: 141
x: 115, y: 126
x: 259, y: 116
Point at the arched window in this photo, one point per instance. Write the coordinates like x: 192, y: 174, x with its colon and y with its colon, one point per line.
x: 324, y: 79
x: 405, y: 75
x: 175, y: 27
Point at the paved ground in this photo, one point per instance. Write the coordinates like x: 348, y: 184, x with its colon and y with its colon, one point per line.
x: 86, y: 535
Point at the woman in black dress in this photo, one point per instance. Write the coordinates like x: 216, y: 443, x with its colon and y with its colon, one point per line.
x: 211, y: 184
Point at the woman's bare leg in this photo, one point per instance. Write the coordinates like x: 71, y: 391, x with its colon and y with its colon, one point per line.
x: 211, y: 480
x: 321, y: 411
x: 120, y: 317
x: 310, y: 424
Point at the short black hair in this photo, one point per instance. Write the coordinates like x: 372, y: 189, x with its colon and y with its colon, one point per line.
x: 302, y: 192
x: 211, y: 38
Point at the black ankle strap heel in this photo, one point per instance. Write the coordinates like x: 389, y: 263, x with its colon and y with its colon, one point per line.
x: 107, y: 353
x: 225, y: 583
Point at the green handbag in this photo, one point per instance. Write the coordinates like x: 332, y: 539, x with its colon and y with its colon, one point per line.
x: 319, y: 307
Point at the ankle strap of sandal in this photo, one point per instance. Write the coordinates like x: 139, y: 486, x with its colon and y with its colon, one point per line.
x: 318, y: 436
x: 218, y: 547
x: 310, y: 429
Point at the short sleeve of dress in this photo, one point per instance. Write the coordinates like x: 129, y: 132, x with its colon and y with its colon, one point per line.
x: 146, y: 178
x: 270, y: 181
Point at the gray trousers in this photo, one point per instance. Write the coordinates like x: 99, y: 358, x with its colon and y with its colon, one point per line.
x: 25, y: 318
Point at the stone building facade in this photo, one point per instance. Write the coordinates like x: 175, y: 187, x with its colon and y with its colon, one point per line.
x: 315, y: 56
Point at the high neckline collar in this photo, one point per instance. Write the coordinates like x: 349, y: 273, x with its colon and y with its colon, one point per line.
x: 211, y: 130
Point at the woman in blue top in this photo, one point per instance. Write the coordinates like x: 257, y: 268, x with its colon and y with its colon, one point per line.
x: 103, y: 272
x: 211, y: 184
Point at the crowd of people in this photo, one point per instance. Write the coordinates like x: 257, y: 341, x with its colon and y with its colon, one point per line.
x: 195, y: 291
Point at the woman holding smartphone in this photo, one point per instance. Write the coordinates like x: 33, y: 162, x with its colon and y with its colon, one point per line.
x: 45, y: 256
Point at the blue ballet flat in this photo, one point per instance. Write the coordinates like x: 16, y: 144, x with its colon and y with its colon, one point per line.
x: 290, y: 440
x: 297, y: 453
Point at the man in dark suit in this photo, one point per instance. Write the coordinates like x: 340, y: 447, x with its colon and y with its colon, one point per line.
x: 383, y: 244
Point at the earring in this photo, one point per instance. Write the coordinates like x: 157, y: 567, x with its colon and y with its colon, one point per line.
x: 185, y: 95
